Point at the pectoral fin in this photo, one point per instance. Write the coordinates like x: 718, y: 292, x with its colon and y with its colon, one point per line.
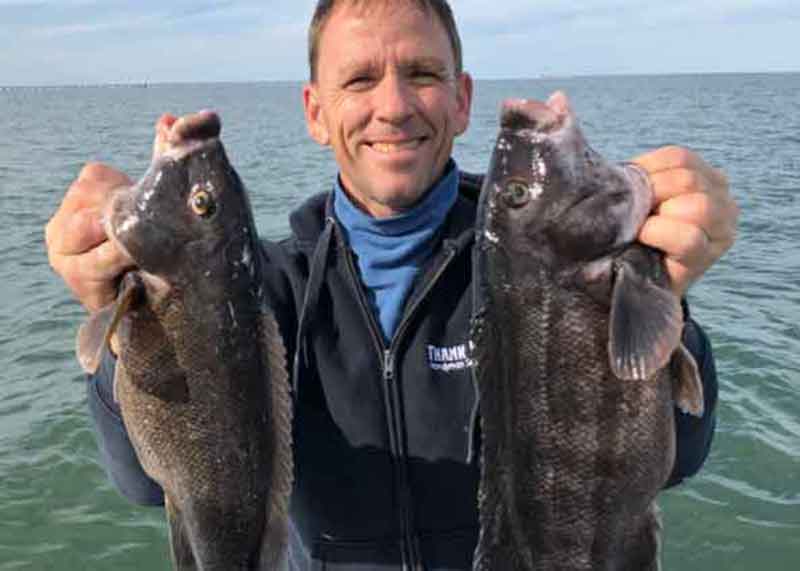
x: 95, y: 333
x: 645, y: 325
x: 688, y: 387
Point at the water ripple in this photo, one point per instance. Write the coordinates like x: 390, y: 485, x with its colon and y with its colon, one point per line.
x: 741, y: 513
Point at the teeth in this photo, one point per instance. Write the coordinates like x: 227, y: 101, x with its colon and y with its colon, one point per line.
x: 387, y: 148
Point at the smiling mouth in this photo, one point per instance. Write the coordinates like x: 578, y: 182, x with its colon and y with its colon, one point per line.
x: 397, y: 146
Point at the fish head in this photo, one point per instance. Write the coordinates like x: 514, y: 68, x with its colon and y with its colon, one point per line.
x: 548, y: 193
x: 189, y: 216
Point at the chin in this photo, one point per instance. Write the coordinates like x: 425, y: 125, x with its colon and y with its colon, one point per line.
x: 402, y: 196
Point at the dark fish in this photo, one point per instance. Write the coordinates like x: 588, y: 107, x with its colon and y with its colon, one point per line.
x: 576, y: 343
x: 201, y: 375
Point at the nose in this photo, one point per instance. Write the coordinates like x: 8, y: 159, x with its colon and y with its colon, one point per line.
x: 394, y: 99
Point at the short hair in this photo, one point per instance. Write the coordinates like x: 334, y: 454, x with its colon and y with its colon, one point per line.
x: 324, y: 8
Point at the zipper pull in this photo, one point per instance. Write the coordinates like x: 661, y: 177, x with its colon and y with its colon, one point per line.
x: 388, y: 365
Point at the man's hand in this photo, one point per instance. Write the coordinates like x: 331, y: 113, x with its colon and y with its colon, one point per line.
x: 77, y: 245
x: 694, y: 217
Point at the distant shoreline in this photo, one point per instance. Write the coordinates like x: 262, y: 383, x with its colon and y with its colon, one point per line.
x: 538, y: 77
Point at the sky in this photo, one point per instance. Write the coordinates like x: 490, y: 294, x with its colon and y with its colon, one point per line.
x: 78, y: 42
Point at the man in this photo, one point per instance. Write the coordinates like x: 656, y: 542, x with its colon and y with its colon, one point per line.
x: 372, y: 292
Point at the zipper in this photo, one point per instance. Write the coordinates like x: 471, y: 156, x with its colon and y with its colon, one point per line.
x: 410, y: 545
x: 401, y: 328
x: 390, y: 408
x: 412, y: 554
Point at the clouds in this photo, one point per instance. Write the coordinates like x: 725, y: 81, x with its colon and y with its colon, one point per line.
x: 519, y: 38
x: 80, y: 42
x: 93, y: 41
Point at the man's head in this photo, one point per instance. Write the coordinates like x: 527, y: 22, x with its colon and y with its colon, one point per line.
x: 440, y: 9
x: 387, y: 94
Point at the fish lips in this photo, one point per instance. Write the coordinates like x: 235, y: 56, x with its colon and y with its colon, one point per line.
x: 542, y: 117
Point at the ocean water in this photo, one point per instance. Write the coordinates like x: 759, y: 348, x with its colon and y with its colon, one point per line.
x: 742, y: 512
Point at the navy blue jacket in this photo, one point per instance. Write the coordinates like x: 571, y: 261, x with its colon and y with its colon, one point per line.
x: 381, y: 433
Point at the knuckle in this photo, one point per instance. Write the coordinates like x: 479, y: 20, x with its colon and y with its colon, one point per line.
x: 67, y: 274
x: 53, y: 236
x: 106, y: 256
x: 695, y: 242
x: 677, y: 155
x: 705, y: 207
x: 689, y: 180
x: 92, y: 171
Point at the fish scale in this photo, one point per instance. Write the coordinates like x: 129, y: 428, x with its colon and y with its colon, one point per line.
x: 577, y: 430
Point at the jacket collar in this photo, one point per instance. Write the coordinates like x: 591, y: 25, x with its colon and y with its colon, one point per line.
x: 308, y: 221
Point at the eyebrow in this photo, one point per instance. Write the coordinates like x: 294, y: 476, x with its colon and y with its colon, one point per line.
x: 356, y: 66
x: 426, y: 63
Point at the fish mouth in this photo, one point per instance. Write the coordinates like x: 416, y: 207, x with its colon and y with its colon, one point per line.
x: 542, y: 117
x: 114, y: 227
x: 186, y: 135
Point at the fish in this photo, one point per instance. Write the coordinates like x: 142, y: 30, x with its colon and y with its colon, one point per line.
x: 201, y: 376
x: 577, y: 353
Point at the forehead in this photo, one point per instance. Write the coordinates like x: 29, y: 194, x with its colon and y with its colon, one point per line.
x: 363, y: 31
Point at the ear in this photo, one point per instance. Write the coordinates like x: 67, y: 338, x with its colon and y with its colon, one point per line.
x: 315, y: 120
x: 464, y: 102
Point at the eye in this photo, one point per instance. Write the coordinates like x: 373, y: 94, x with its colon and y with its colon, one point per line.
x: 424, y: 77
x: 202, y: 203
x: 359, y: 83
x: 516, y: 194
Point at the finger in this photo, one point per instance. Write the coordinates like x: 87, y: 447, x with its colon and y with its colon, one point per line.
x: 671, y: 157
x: 700, y: 210
x: 92, y: 187
x: 720, y: 178
x: 105, y: 262
x: 165, y: 122
x: 91, y: 191
x: 680, y: 276
x: 680, y: 241
x: 672, y: 183
x: 102, y: 263
x: 76, y: 234
x: 93, y: 276
x: 687, y: 251
x: 96, y: 295
x: 163, y: 126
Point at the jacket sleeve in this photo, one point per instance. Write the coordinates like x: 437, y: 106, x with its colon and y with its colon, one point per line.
x: 116, y: 451
x: 694, y: 435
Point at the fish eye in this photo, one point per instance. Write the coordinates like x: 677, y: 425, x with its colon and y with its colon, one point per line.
x: 517, y: 194
x: 202, y: 203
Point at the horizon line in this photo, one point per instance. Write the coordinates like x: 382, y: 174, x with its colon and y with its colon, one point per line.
x: 535, y: 77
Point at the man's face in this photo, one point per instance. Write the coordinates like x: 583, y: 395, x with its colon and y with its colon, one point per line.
x: 388, y: 101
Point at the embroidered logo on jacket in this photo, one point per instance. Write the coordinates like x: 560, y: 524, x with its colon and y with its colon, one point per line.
x: 448, y: 358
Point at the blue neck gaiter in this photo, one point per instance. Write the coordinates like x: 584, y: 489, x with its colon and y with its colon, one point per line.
x: 391, y: 251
